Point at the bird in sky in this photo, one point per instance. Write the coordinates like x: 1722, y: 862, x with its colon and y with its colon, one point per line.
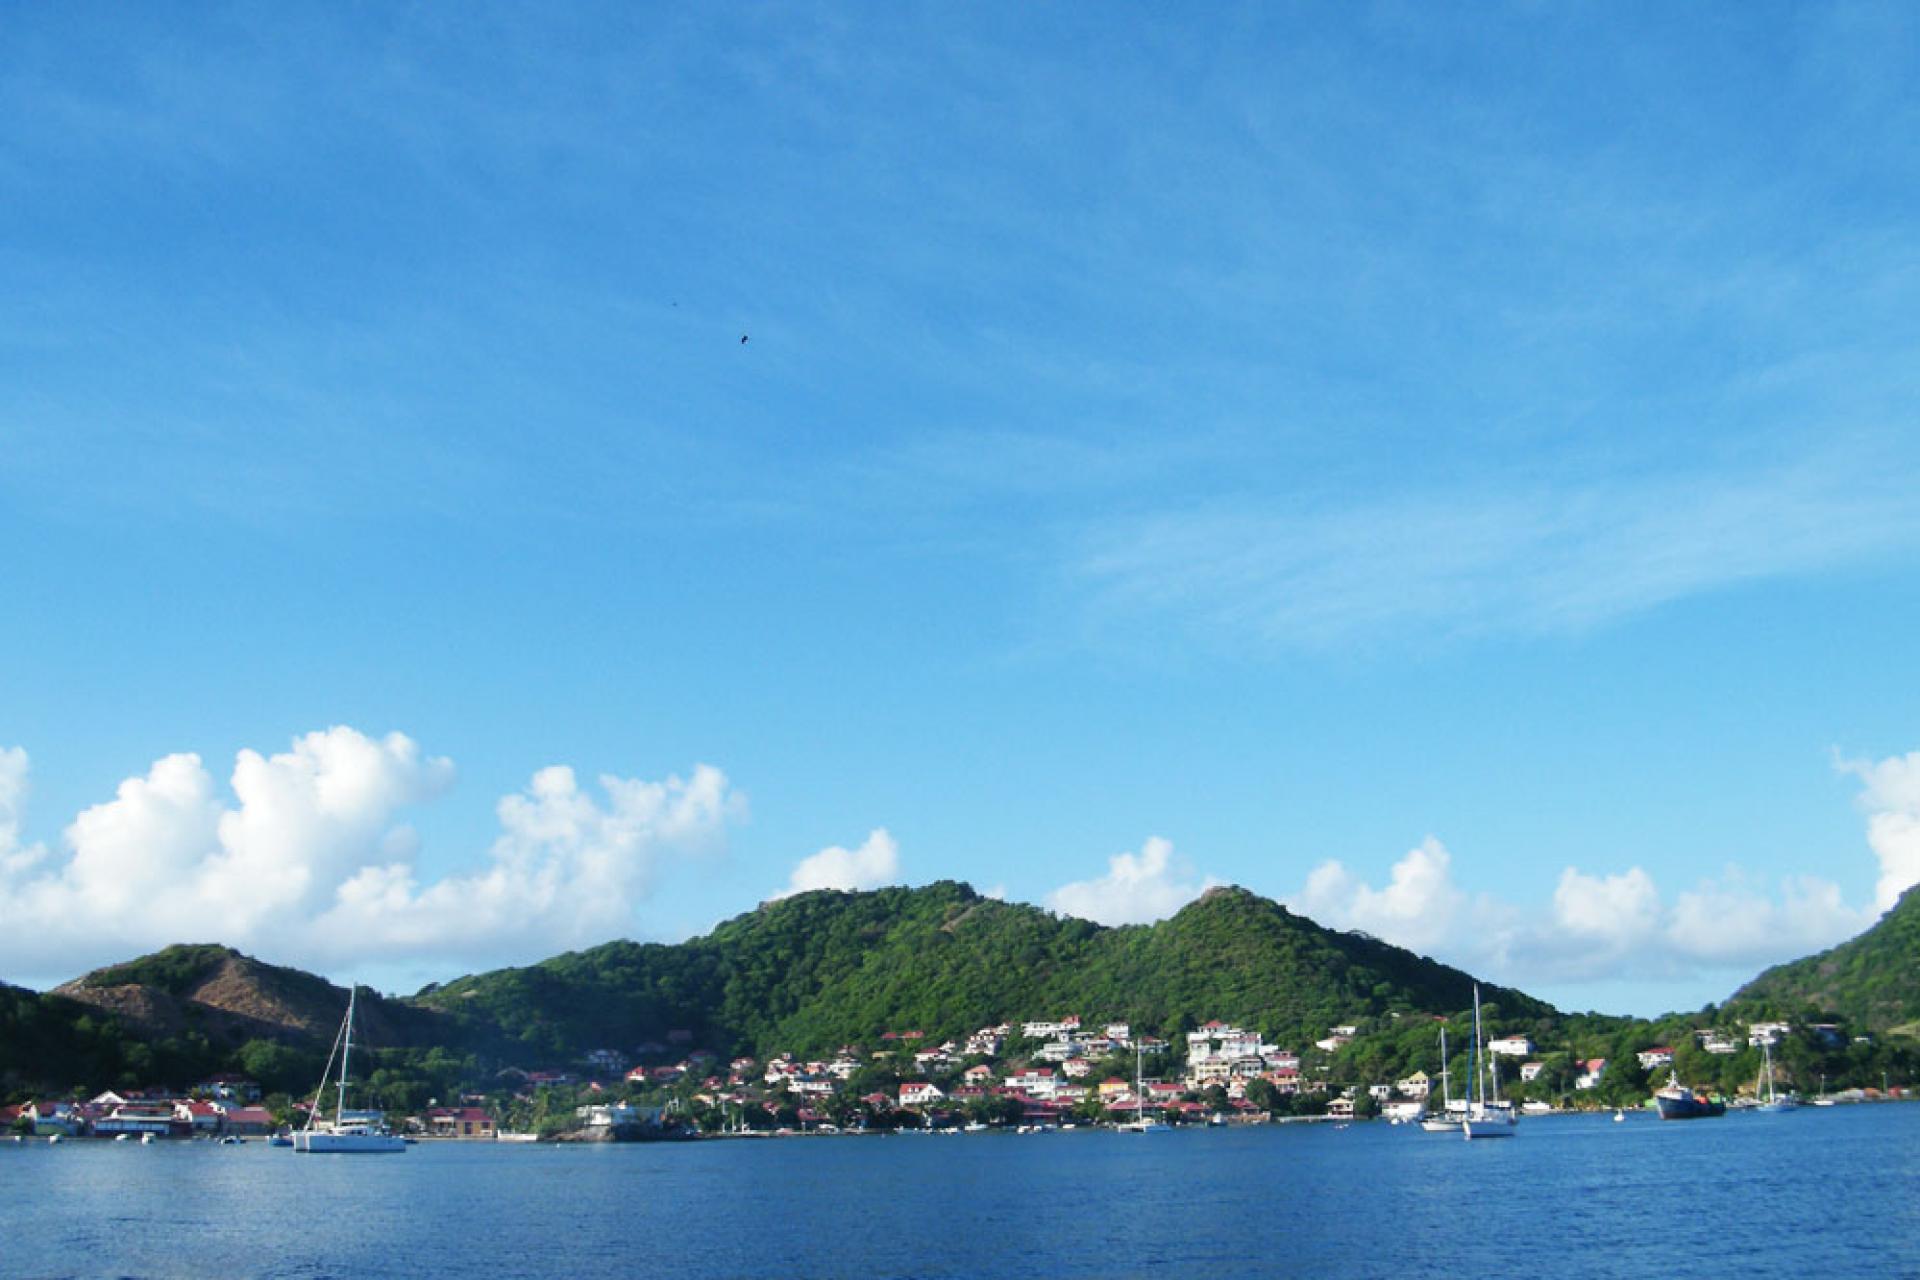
x: 743, y: 337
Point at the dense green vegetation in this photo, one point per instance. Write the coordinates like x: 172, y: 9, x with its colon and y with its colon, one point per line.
x: 1872, y: 981
x: 817, y: 970
x: 52, y: 1044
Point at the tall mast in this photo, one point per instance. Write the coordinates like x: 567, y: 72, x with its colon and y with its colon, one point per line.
x: 1446, y: 1085
x: 340, y: 1106
x: 1479, y: 1083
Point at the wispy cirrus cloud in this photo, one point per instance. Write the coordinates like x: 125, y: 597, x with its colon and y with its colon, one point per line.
x: 1530, y: 559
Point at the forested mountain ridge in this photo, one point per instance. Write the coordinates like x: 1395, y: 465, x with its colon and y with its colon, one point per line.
x: 819, y: 969
x: 809, y: 973
x: 1872, y: 980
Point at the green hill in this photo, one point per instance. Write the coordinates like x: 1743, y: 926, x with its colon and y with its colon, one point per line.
x: 820, y: 969
x: 227, y: 997
x: 1871, y: 981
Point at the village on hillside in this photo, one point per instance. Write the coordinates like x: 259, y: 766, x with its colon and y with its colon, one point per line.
x: 1060, y: 1072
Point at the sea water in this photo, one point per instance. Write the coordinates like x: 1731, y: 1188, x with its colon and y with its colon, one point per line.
x: 1827, y: 1191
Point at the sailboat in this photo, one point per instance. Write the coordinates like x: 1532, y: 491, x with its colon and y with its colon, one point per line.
x: 347, y: 1132
x: 1486, y: 1117
x: 1448, y: 1121
x: 1770, y: 1101
x: 1140, y: 1123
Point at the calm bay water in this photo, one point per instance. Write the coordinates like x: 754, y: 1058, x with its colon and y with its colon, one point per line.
x: 1818, y: 1192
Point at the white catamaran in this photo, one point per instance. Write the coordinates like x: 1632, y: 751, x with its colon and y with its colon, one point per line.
x: 1487, y: 1117
x: 348, y: 1131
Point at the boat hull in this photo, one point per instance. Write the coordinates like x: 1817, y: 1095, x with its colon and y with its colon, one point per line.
x: 1688, y: 1108
x: 1480, y: 1127
x: 348, y: 1143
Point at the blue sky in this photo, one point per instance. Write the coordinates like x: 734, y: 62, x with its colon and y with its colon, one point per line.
x: 1477, y: 452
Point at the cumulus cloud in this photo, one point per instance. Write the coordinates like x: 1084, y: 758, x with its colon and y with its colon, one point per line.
x: 1733, y: 920
x: 1596, y: 926
x: 873, y: 864
x: 1618, y: 924
x: 15, y: 855
x: 1420, y: 907
x: 1137, y: 888
x: 1891, y: 799
x: 305, y: 856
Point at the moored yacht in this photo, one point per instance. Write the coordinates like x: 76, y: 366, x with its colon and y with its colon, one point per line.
x: 349, y: 1132
x: 1488, y: 1116
x: 1140, y: 1123
x: 1451, y: 1112
x: 1771, y: 1101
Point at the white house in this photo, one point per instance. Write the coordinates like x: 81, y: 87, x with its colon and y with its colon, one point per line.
x: 916, y: 1093
x: 1042, y: 1030
x: 1658, y: 1056
x: 1767, y: 1033
x: 611, y: 1115
x: 1039, y: 1081
x: 1590, y: 1072
x: 1531, y: 1070
x: 1511, y: 1047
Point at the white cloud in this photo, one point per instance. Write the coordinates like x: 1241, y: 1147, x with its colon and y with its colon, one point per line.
x: 873, y: 864
x: 1420, y: 907
x: 1732, y: 920
x: 1137, y: 888
x: 309, y: 861
x: 1892, y: 801
x: 567, y: 868
x: 15, y: 855
x: 1595, y: 927
x: 1614, y: 912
